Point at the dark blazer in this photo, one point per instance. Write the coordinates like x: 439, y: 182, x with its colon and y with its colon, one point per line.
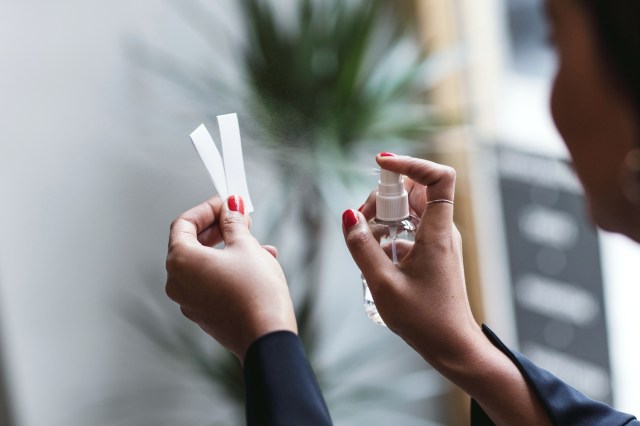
x: 282, y: 390
x: 280, y: 385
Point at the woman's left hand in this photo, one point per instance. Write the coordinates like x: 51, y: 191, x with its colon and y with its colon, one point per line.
x: 235, y: 294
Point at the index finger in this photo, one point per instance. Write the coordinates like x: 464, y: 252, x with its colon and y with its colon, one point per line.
x: 188, y: 225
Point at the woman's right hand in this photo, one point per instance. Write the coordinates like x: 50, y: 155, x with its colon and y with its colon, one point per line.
x: 423, y: 298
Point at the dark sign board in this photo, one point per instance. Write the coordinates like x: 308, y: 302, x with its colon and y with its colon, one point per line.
x: 555, y: 271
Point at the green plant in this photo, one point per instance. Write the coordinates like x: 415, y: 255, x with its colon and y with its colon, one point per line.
x: 340, y: 76
x: 332, y: 80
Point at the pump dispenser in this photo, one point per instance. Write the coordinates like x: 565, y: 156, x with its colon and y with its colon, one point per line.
x: 393, y: 226
x: 392, y: 200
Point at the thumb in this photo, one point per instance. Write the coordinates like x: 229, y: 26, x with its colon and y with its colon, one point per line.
x: 234, y: 224
x: 374, y: 264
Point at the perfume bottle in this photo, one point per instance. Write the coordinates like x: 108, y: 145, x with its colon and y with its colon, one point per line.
x: 393, y: 227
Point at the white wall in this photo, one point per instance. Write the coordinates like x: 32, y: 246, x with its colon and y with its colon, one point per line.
x: 87, y: 196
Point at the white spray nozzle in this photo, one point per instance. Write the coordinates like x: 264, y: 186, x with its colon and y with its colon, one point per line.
x: 392, y: 200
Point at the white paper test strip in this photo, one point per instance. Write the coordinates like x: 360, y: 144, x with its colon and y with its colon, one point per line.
x: 228, y: 175
x: 211, y: 158
x: 232, y: 157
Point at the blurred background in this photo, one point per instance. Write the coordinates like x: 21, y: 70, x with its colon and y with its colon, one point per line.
x: 96, y: 103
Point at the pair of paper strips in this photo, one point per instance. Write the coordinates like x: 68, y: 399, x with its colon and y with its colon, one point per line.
x: 226, y: 170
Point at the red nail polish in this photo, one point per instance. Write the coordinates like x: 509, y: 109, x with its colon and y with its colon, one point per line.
x: 236, y: 203
x: 360, y: 208
x: 387, y: 154
x: 349, y: 218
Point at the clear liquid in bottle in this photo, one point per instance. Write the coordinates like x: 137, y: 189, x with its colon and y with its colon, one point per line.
x: 396, y: 238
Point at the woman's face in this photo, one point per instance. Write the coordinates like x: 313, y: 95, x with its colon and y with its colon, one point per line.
x: 595, y: 120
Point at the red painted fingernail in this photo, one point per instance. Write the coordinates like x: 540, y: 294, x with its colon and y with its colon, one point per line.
x: 349, y: 218
x: 360, y: 208
x: 236, y: 203
x: 387, y: 154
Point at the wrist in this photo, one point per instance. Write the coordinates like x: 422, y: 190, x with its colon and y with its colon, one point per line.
x: 489, y: 376
x: 475, y: 365
x: 454, y: 352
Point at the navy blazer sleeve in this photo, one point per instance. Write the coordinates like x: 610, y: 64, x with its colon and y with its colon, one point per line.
x: 281, y: 389
x: 564, y: 404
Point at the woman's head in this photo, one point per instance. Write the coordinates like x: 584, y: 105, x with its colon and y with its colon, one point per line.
x: 596, y: 100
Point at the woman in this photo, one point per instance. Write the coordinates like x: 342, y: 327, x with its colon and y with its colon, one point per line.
x: 239, y: 295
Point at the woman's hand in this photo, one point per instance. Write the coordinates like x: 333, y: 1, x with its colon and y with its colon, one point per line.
x: 423, y: 298
x: 235, y: 294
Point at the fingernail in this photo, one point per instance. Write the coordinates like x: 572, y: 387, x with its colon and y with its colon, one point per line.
x: 360, y: 208
x: 236, y: 203
x: 387, y: 154
x: 349, y: 218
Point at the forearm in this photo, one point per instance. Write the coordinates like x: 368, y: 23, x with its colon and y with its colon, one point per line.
x: 491, y: 378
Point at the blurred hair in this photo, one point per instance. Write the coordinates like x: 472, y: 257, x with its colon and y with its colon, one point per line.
x: 617, y: 23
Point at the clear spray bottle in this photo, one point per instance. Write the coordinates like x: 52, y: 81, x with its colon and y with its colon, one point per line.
x: 393, y: 227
